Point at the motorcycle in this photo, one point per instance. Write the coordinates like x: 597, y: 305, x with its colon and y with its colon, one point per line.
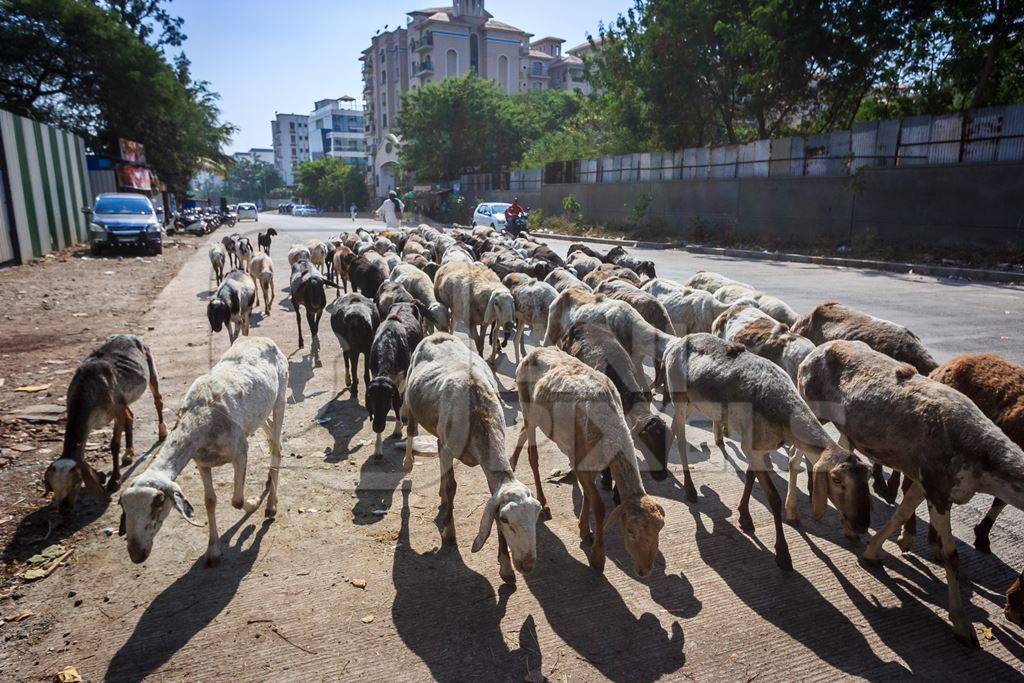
x: 520, y: 224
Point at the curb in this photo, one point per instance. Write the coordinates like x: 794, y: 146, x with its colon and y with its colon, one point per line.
x: 952, y: 272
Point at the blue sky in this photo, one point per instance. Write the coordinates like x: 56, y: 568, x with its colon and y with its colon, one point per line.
x: 267, y: 56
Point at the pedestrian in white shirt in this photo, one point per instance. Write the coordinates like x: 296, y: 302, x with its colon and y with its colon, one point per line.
x: 352, y: 210
x: 391, y: 209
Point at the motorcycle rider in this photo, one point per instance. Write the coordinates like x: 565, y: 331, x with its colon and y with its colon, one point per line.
x: 512, y: 214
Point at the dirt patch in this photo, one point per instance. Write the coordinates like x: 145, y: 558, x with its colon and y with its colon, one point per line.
x: 56, y: 310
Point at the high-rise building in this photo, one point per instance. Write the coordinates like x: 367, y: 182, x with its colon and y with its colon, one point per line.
x: 256, y: 154
x: 290, y: 133
x: 337, y: 130
x: 447, y: 42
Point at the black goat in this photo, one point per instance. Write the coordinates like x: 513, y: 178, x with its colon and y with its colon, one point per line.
x: 263, y: 239
x: 597, y: 347
x: 618, y: 256
x: 576, y: 246
x: 232, y: 304
x: 367, y: 273
x: 354, y: 319
x: 393, y: 344
x: 101, y: 391
x: 307, y: 290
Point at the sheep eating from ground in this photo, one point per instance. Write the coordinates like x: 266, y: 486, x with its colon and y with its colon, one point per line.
x: 933, y: 434
x: 726, y: 382
x: 101, y: 391
x: 354, y: 320
x: 452, y: 393
x: 245, y: 391
x: 231, y: 305
x: 393, y: 344
x: 579, y: 409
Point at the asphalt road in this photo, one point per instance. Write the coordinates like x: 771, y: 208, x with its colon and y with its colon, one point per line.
x: 283, y: 604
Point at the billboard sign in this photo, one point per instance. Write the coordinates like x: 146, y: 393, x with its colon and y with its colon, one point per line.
x: 132, y: 152
x: 134, y: 177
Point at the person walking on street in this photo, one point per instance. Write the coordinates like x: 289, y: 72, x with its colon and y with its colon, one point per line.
x: 352, y: 210
x: 391, y: 210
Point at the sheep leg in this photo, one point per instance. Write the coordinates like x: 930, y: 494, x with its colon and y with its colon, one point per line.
x: 268, y: 298
x: 115, y: 452
x: 298, y: 322
x: 210, y: 499
x: 586, y: 536
x: 493, y: 338
x: 129, y: 436
x: 366, y: 368
x: 981, y: 531
x: 448, y: 488
x: 518, y: 343
x: 158, y: 402
x: 256, y: 295
x: 397, y: 433
x: 238, y: 500
x: 782, y: 557
x: 597, y: 556
x: 1014, y: 609
x: 909, y: 528
x: 746, y: 521
x: 531, y: 450
x: 962, y: 628
x: 679, y: 427
x: 720, y: 428
x: 892, y: 487
x: 912, y: 497
x: 348, y: 364
x: 792, y: 514
x: 274, y: 428
x: 410, y: 436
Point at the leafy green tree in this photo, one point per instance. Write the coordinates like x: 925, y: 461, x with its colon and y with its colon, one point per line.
x: 331, y: 184
x: 84, y: 67
x: 250, y: 180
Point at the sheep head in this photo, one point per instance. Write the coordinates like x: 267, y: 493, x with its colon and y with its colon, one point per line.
x: 218, y: 314
x: 641, y: 521
x: 438, y: 314
x: 381, y: 397
x: 515, y: 510
x: 654, y: 438
x: 841, y: 477
x: 144, y: 507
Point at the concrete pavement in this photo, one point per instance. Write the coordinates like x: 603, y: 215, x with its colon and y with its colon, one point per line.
x: 282, y: 605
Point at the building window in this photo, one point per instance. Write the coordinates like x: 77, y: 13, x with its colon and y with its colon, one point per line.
x: 474, y: 53
x: 451, y: 64
x: 383, y: 76
x: 385, y: 120
x: 503, y: 76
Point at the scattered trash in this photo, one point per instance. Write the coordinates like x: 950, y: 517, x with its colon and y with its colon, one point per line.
x: 33, y: 388
x: 986, y: 633
x: 378, y: 512
x: 19, y: 616
x: 358, y: 583
x: 368, y: 618
x: 109, y: 531
x: 108, y: 272
x: 559, y: 475
x: 69, y: 674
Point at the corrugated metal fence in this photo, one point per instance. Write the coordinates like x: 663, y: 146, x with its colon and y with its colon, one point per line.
x: 44, y: 187
x: 980, y: 135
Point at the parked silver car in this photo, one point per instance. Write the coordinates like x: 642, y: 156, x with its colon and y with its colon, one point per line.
x: 124, y: 220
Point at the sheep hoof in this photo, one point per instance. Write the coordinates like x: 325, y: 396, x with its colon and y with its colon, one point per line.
x: 981, y: 543
x: 545, y: 513
x: 597, y: 562
x: 271, y: 512
x: 407, y: 463
x: 448, y: 536
x: 128, y: 458
x: 587, y: 537
x: 782, y: 558
x: 746, y: 522
x: 162, y: 431
x: 966, y: 636
x: 906, y: 542
x: 870, y: 562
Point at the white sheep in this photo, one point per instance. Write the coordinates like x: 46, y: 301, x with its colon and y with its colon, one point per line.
x: 419, y: 284
x: 711, y: 282
x: 579, y: 409
x: 452, y: 393
x: 244, y: 391
x: 261, y: 268
x: 476, y: 297
x: 217, y: 259
x: 533, y: 300
x: 298, y: 252
x: 772, y: 305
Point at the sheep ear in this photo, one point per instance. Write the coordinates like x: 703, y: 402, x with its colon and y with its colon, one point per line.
x: 615, y: 516
x: 819, y: 492
x: 486, y: 522
x: 91, y: 479
x: 184, y: 507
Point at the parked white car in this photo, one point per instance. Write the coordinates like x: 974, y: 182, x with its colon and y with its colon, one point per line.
x: 248, y: 211
x: 304, y: 210
x: 491, y: 214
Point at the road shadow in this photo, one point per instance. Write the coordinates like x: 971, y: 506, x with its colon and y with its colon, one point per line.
x: 186, y: 607
x: 378, y: 480
x: 787, y: 600
x: 590, y: 616
x: 299, y: 374
x: 438, y: 597
x: 45, y: 526
x: 206, y: 294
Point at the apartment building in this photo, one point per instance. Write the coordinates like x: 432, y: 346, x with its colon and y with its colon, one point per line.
x: 290, y: 134
x: 446, y: 42
x: 338, y: 129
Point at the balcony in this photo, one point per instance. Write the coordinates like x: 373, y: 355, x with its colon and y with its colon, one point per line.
x: 423, y: 44
x: 424, y: 68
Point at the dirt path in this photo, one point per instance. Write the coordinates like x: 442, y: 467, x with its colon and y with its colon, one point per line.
x: 287, y: 602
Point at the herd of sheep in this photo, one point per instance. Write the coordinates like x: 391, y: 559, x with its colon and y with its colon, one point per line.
x: 764, y: 375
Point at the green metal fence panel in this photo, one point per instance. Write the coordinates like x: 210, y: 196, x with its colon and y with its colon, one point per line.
x: 44, y: 189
